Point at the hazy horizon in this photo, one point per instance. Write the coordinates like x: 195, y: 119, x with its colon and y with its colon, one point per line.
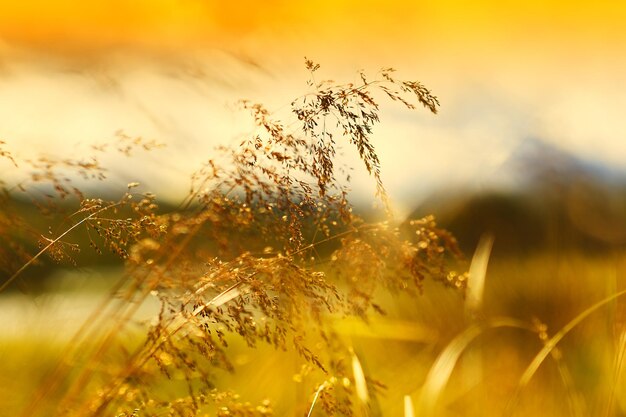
x: 72, y: 75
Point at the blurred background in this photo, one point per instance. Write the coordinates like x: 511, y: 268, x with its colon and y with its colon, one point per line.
x: 514, y: 79
x: 528, y: 144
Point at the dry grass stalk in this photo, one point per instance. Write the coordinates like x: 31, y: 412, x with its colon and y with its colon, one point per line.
x: 315, y: 397
x: 551, y: 343
x: 246, y: 255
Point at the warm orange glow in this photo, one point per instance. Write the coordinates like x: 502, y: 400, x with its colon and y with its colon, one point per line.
x: 72, y: 24
x: 181, y: 23
x: 558, y: 64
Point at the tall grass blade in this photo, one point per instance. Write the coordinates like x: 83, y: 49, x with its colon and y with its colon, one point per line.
x: 360, y: 383
x: 472, y: 365
x: 315, y: 397
x: 408, y: 406
x: 477, y: 274
x: 224, y: 297
x: 551, y: 344
x: 445, y: 363
x: 618, y: 368
x: 51, y: 243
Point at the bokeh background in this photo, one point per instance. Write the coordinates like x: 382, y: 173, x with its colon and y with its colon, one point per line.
x: 508, y: 74
x: 528, y: 146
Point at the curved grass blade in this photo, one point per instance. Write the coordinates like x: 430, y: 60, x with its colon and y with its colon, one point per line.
x: 317, y: 395
x: 445, y: 363
x: 551, y: 344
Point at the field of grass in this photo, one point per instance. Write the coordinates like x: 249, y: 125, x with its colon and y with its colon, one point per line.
x: 580, y: 377
x: 263, y: 292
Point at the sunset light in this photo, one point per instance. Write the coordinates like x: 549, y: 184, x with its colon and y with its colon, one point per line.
x: 312, y: 208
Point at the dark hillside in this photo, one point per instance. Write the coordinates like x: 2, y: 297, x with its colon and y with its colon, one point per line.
x: 562, y: 203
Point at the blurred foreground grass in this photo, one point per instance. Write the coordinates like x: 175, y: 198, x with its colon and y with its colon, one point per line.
x: 579, y: 378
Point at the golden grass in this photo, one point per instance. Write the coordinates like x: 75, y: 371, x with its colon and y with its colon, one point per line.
x: 268, y: 284
x: 431, y: 368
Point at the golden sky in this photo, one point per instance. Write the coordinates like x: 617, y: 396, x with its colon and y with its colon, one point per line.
x: 504, y: 70
x: 183, y: 23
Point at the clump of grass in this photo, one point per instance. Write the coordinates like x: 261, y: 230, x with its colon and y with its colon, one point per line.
x: 266, y: 252
x: 265, y: 248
